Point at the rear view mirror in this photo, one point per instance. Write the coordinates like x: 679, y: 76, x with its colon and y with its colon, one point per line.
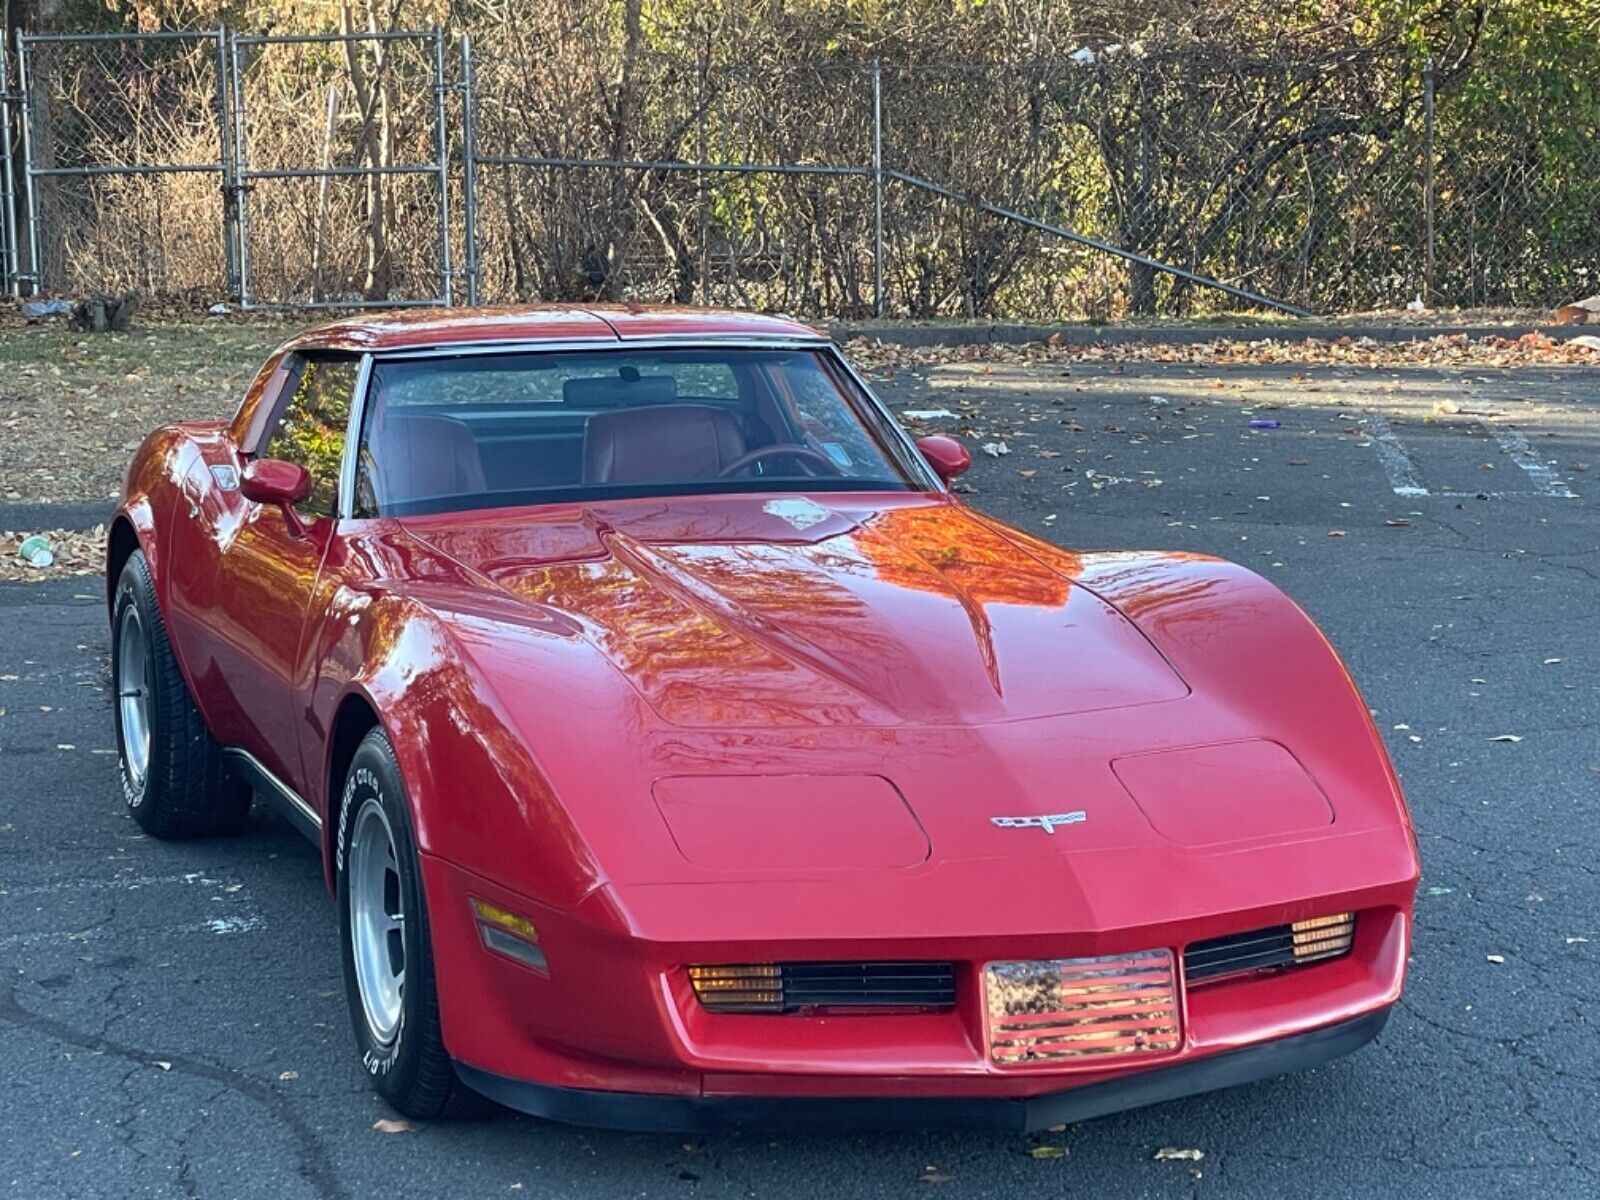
x: 948, y: 457
x: 274, y: 481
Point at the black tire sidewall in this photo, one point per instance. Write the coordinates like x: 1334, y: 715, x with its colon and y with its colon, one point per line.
x: 133, y: 591
x: 393, y: 1069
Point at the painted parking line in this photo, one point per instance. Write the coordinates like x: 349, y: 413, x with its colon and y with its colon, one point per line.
x: 1397, y: 464
x: 237, y: 914
x: 1520, y: 452
x: 221, y: 926
x: 1405, y: 480
x: 118, y: 883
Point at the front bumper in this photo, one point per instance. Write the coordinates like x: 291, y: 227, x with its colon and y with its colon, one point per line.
x: 647, y: 1112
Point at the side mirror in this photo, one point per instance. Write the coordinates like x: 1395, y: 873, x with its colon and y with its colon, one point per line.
x: 274, y: 481
x: 945, y: 455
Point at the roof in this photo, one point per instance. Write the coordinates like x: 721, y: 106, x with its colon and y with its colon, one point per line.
x: 417, y: 328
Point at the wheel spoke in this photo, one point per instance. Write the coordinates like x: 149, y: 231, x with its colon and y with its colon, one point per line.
x: 394, y: 940
x: 377, y: 920
x: 133, y: 700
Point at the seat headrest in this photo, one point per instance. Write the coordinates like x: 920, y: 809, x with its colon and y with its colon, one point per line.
x: 424, y: 455
x: 667, y: 443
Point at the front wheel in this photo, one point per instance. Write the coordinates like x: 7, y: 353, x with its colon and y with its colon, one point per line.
x: 387, y: 951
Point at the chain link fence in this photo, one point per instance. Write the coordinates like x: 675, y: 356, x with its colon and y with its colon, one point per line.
x: 121, y: 147
x: 394, y: 168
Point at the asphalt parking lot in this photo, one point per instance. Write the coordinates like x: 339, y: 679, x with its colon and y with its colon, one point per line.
x: 171, y: 1018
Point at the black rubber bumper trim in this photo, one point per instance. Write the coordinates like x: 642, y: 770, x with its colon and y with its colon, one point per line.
x: 686, y: 1114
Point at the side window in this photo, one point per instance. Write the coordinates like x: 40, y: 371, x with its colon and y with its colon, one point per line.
x: 825, y: 419
x: 311, y: 426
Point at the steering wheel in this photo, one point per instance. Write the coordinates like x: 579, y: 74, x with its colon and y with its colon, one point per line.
x: 779, y: 450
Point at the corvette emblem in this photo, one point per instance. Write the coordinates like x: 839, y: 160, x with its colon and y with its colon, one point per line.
x: 1046, y: 823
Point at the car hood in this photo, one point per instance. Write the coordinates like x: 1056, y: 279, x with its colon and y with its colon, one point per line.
x: 831, y: 610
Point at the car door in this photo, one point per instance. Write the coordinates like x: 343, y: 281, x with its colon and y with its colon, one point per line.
x: 248, y: 604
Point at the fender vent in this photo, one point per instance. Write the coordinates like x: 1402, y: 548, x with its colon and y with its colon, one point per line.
x: 789, y: 987
x: 1277, y: 946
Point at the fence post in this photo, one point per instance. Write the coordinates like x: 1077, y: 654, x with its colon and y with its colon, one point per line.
x: 469, y: 170
x: 8, y: 188
x: 877, y: 187
x: 230, y: 196
x: 1428, y: 269
x: 241, y: 194
x: 36, y: 273
x: 702, y: 192
x: 442, y: 150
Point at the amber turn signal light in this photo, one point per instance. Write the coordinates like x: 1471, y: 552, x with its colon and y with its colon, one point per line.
x: 739, y: 987
x: 1323, y: 937
x: 505, y: 933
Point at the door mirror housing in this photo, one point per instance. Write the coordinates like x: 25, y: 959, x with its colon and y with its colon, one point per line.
x: 948, y: 457
x: 275, y: 481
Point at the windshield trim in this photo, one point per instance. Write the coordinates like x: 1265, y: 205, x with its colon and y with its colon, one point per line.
x: 722, y: 341
x: 874, y: 413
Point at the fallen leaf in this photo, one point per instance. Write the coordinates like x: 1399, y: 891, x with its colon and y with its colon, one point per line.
x: 1506, y: 737
x: 165, y: 1066
x: 1496, y: 959
x: 1048, y: 1151
x: 1175, y: 1154
x: 393, y: 1125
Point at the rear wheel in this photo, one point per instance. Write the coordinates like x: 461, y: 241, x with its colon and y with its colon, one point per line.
x: 387, y: 950
x: 174, y: 780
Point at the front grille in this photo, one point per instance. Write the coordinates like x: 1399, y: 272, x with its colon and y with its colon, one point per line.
x: 1277, y: 946
x: 790, y: 987
x: 1239, y: 952
x: 1067, y: 1008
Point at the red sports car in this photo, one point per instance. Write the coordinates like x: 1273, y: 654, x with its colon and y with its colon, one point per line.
x: 684, y: 754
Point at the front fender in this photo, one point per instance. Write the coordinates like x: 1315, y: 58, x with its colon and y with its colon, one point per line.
x: 150, y: 494
x: 477, y: 792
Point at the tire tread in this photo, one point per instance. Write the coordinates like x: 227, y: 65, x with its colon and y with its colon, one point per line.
x: 189, y: 789
x: 435, y: 1091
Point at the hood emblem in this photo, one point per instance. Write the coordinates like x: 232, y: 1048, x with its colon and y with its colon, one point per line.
x: 1046, y: 823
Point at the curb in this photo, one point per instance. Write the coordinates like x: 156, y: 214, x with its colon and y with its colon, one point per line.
x: 957, y: 334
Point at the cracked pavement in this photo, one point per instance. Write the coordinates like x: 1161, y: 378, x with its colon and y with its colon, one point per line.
x: 171, y: 1016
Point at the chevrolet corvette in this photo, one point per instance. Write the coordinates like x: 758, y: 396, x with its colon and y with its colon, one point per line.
x: 683, y: 753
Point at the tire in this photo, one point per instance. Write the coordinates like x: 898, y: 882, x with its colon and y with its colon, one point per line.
x: 174, y: 780
x: 396, y: 1019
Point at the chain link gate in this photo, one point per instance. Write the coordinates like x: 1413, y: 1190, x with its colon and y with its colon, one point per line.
x: 114, y: 124
x: 368, y: 223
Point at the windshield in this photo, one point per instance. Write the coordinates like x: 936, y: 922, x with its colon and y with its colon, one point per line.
x: 482, y: 431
